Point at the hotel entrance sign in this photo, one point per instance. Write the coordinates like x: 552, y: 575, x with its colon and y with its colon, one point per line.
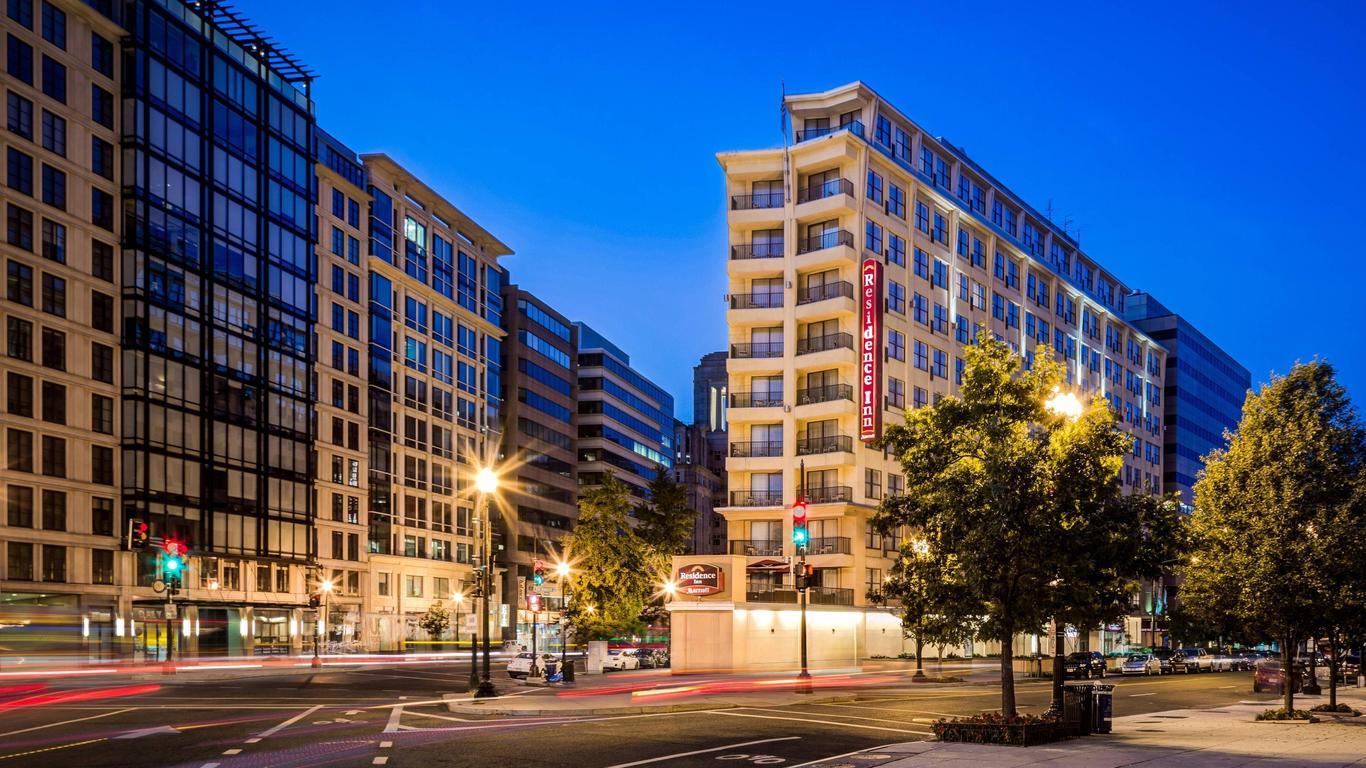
x: 870, y: 350
x: 699, y: 580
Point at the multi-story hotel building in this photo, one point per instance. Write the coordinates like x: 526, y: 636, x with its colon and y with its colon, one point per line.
x: 540, y: 502
x: 625, y: 420
x: 864, y: 209
x: 434, y: 394
x: 59, y: 481
x: 342, y: 403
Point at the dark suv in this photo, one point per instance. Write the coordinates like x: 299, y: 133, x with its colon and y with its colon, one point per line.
x: 1085, y: 664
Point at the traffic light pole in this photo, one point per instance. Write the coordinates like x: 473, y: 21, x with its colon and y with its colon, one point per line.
x: 804, y: 677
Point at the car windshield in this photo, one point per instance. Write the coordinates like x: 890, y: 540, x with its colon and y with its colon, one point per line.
x: 614, y: 653
x: 1079, y: 656
x: 1138, y: 658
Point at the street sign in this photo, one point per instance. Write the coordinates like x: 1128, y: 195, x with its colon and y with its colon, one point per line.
x: 170, y: 610
x: 547, y: 590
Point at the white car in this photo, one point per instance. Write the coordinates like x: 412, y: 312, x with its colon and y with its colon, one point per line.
x: 621, y: 659
x: 519, y: 666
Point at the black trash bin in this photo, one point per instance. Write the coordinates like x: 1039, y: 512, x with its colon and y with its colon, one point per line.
x: 1077, y: 705
x: 1102, y: 707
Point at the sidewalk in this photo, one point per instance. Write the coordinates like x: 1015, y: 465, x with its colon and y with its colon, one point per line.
x: 1225, y: 737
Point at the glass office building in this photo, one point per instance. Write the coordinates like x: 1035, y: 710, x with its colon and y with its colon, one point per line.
x: 1204, y: 387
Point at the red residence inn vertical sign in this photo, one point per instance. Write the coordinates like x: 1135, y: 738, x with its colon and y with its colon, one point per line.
x: 870, y: 352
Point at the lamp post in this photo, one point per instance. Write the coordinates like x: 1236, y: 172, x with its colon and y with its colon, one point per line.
x: 487, y: 483
x: 922, y: 549
x: 1068, y: 406
x: 324, y: 589
x: 566, y: 669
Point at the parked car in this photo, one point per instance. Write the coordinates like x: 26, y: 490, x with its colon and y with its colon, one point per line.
x: 1141, y: 664
x: 621, y: 659
x: 660, y: 658
x: 1164, y: 657
x: 1268, y: 676
x: 1085, y: 664
x: 1222, y: 661
x: 1190, y: 660
x: 1247, y: 659
x: 519, y: 666
x: 645, y: 656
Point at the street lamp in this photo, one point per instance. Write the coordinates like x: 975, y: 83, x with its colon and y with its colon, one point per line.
x: 324, y: 589
x: 562, y: 571
x: 921, y: 548
x: 457, y: 599
x: 1069, y: 406
x: 486, y: 482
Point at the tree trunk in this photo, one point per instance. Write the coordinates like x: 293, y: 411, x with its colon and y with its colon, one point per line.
x: 1333, y: 667
x: 919, y: 656
x: 1007, y: 676
x: 1288, y: 675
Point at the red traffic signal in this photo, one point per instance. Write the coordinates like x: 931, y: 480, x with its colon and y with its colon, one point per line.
x: 799, y: 534
x: 533, y: 602
x: 138, y: 533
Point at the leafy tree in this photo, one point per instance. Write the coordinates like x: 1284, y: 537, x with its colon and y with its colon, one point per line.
x: 1276, y: 513
x: 616, y: 572
x: 666, y: 523
x: 435, y: 621
x: 995, y: 484
x: 930, y: 605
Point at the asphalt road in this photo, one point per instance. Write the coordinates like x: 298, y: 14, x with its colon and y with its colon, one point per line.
x: 390, y: 716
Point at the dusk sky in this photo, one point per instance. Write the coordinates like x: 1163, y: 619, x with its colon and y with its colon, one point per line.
x: 1213, y: 158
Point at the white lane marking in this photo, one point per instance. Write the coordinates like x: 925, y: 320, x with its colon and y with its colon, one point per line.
x: 443, y: 717
x: 1136, y: 695
x: 394, y: 715
x: 209, y: 765
x: 847, y: 717
x: 702, y: 752
x: 890, y: 709
x: 291, y: 721
x: 846, y: 754
x: 67, y: 722
x: 1222, y: 687
x: 234, y: 751
x: 379, y: 761
x: 730, y: 713
x: 252, y: 740
x: 353, y: 711
x: 385, y: 744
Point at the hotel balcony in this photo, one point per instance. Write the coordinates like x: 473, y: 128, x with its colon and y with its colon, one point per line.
x: 825, y: 343
x: 825, y: 251
x: 815, y: 293
x: 756, y: 449
x: 829, y: 545
x: 822, y: 302
x: 756, y: 399
x: 806, y: 134
x: 756, y: 548
x: 745, y: 251
x: 831, y: 494
x: 759, y: 498
x: 759, y: 350
x: 760, y: 210
x: 813, y: 395
x: 814, y: 596
x: 812, y: 446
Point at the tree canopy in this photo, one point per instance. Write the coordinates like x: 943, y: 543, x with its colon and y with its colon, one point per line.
x: 1278, y: 519
x: 615, y: 571
x: 1010, y: 497
x: 666, y: 522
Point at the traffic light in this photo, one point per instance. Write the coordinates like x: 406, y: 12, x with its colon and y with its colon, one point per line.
x: 802, y: 575
x: 315, y: 600
x: 533, y: 602
x: 538, y: 573
x: 173, y: 560
x: 800, y: 537
x: 138, y: 533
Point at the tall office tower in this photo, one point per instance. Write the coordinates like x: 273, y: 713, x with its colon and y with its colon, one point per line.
x: 864, y: 256
x: 540, y: 505
x: 435, y: 404
x: 625, y: 420
x: 705, y: 488
x: 711, y: 403
x: 59, y: 481
x: 1205, y: 389
x: 343, y: 448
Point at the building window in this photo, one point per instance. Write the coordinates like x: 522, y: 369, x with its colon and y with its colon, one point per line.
x: 54, y: 134
x: 54, y: 563
x: 101, y: 566
x: 54, y: 241
x: 872, y: 483
x: 102, y: 516
x: 19, y: 446
x: 19, y: 172
x: 54, y: 402
x: 19, y: 555
x: 19, y: 395
x: 19, y: 63
x: 102, y: 414
x: 19, y: 506
x: 412, y: 585
x: 54, y: 80
x: 54, y: 456
x: 20, y: 115
x: 54, y: 510
x: 896, y: 345
x: 101, y: 465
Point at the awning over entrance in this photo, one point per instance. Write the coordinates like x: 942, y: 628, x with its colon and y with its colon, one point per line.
x: 769, y: 565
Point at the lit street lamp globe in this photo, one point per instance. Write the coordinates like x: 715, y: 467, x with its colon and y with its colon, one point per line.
x: 486, y: 481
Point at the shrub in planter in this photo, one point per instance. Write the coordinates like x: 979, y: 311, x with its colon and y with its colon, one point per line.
x: 1282, y: 714
x: 994, y: 728
x: 1341, y: 709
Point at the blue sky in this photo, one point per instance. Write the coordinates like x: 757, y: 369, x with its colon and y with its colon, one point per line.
x: 1215, y: 159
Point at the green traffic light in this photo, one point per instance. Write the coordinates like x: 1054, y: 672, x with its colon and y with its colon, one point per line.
x: 172, y: 564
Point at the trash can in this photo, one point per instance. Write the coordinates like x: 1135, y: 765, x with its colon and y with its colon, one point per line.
x: 1077, y: 708
x: 1102, y: 707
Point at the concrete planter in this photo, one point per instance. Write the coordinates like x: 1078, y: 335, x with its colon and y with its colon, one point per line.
x: 1011, y: 734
